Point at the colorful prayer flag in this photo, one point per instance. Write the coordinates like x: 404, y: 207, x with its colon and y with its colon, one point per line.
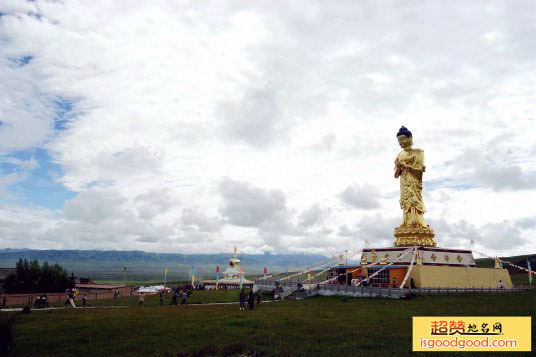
x: 530, y: 271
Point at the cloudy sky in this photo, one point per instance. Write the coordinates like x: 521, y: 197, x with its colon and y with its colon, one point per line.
x: 194, y: 126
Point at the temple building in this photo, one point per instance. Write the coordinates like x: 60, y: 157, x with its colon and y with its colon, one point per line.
x: 415, y: 260
x: 233, y: 277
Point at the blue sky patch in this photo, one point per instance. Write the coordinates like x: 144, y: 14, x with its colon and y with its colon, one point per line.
x: 40, y: 187
x: 21, y: 61
x: 64, y: 113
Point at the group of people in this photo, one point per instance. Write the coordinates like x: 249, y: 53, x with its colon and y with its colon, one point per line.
x: 176, y: 294
x: 250, y: 297
x: 41, y: 302
x: 71, y: 294
x: 182, y: 294
x: 70, y: 300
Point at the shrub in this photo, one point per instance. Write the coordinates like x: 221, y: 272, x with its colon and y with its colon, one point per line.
x: 6, y: 335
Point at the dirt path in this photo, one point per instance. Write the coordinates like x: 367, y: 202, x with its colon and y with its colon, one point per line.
x: 17, y: 309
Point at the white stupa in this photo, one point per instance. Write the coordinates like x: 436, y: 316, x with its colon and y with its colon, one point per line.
x: 231, y: 277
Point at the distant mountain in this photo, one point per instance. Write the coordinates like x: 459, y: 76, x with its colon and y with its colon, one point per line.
x: 98, y: 264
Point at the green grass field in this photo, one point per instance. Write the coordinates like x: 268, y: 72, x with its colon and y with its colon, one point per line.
x: 317, y: 326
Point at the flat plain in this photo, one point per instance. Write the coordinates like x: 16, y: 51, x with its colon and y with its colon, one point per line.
x: 318, y: 326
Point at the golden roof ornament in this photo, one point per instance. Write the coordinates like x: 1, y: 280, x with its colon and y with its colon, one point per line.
x: 373, y: 256
x: 498, y: 264
x: 234, y: 262
x: 383, y: 260
x: 364, y: 259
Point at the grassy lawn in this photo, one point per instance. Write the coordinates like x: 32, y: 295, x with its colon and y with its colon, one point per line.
x: 521, y: 279
x: 317, y: 326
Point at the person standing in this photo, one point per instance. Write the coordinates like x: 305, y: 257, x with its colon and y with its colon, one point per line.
x: 259, y: 296
x: 70, y: 298
x: 176, y: 297
x: 184, y: 297
x: 251, y: 300
x: 141, y: 299
x: 161, y: 297
x: 84, y: 300
x: 242, y: 299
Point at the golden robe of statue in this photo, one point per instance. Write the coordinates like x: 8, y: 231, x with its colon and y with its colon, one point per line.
x: 409, y: 167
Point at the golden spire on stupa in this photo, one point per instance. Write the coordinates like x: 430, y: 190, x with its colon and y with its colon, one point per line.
x: 234, y: 260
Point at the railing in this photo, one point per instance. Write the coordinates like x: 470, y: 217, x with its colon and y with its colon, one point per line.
x: 388, y: 291
x: 289, y: 292
x: 376, y: 291
x: 266, y: 282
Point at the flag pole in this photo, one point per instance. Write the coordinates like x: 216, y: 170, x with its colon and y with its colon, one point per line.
x: 530, y: 271
x: 217, y: 276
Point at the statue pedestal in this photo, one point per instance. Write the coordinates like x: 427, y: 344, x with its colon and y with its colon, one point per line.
x: 435, y: 268
x: 428, y: 256
x: 414, y: 236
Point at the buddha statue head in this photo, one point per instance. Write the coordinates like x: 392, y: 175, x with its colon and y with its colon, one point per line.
x: 405, y: 138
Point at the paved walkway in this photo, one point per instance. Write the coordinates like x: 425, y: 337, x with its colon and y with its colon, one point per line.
x: 17, y: 309
x: 63, y: 308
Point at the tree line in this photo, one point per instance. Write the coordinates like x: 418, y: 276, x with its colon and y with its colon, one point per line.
x: 31, y: 277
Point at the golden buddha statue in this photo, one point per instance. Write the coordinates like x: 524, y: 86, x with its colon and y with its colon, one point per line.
x: 409, y: 167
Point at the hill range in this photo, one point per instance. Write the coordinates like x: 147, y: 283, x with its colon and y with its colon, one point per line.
x: 109, y: 265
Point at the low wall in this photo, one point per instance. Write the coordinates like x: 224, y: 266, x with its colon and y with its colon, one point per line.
x: 427, y: 276
x: 28, y: 299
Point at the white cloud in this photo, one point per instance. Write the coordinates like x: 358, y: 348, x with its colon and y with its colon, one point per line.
x: 196, y: 126
x: 249, y: 206
x: 314, y: 215
x: 192, y: 217
x: 361, y: 196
